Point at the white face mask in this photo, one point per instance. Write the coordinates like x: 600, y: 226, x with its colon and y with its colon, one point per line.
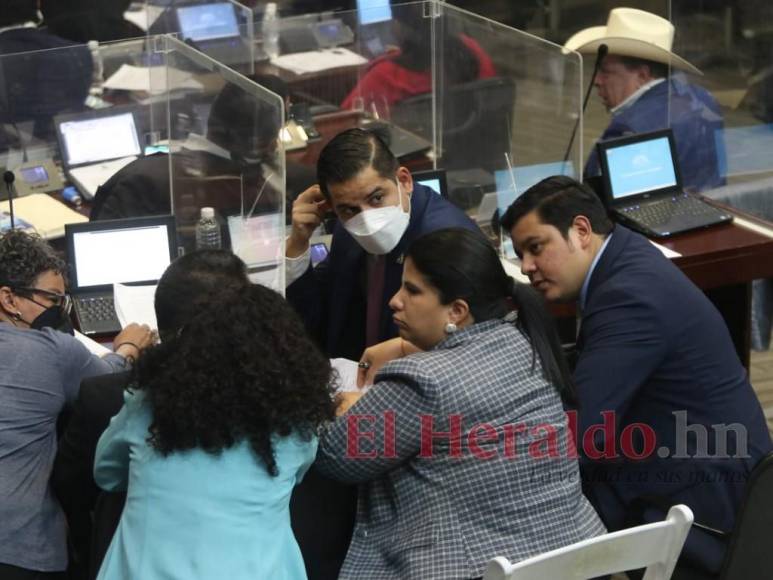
x: 379, y: 230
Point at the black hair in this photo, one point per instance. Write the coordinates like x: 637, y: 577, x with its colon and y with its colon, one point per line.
x: 273, y: 83
x: 557, y: 201
x: 18, y: 12
x: 658, y: 70
x: 242, y: 368
x: 462, y: 264
x: 241, y: 123
x: 349, y: 153
x: 188, y: 278
x: 24, y: 257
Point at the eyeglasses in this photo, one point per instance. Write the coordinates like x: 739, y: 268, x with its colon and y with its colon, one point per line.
x: 62, y: 300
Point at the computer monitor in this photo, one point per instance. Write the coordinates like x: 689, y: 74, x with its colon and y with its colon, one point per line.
x: 373, y: 11
x: 207, y: 21
x: 434, y: 179
x: 103, y: 253
x: 91, y: 139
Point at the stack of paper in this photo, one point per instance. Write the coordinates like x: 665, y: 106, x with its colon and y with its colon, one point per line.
x: 47, y: 215
x: 318, y: 60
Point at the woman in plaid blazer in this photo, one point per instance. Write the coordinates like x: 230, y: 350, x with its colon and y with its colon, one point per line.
x: 463, y: 451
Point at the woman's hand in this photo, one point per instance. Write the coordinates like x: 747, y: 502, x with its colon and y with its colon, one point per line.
x: 378, y: 355
x: 133, y: 339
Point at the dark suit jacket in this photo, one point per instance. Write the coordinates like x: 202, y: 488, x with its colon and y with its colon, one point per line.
x: 656, y: 352
x: 331, y: 298
x: 695, y: 118
x: 99, y: 399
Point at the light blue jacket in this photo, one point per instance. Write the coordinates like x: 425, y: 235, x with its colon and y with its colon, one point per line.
x: 193, y: 514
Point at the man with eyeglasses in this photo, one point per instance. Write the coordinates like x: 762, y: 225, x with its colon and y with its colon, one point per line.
x: 41, y: 367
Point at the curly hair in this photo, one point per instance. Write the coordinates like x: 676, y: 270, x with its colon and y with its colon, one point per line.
x: 243, y: 368
x: 24, y: 257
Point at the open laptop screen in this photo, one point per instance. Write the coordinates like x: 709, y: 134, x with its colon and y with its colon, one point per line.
x: 434, y: 179
x: 372, y: 11
x: 120, y: 253
x: 208, y: 21
x: 94, y: 139
x: 640, y: 167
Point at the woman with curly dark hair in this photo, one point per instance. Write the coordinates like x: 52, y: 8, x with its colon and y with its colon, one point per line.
x: 219, y: 426
x: 40, y: 371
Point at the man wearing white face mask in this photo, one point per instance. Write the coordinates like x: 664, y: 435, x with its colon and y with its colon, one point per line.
x: 344, y: 300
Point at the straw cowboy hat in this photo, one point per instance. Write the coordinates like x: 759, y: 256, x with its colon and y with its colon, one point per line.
x: 635, y: 33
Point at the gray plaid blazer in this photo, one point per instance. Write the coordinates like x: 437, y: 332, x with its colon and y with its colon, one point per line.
x: 497, y: 481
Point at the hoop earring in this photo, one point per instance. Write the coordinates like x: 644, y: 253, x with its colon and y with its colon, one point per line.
x: 451, y: 328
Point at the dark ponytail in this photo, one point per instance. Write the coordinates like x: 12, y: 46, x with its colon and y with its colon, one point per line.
x: 536, y: 323
x: 462, y: 264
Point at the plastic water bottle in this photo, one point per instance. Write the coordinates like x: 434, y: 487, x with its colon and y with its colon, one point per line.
x: 208, y: 231
x: 98, y: 72
x: 270, y: 29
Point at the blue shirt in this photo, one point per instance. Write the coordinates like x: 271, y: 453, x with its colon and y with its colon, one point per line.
x: 40, y: 371
x: 584, y: 289
x: 196, y: 515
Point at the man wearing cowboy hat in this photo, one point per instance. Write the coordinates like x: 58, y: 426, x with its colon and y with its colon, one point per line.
x: 635, y: 85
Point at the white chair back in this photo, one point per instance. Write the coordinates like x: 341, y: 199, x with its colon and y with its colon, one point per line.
x: 655, y: 547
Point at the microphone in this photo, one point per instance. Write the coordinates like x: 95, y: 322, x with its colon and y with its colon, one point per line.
x: 9, y: 178
x: 600, y: 54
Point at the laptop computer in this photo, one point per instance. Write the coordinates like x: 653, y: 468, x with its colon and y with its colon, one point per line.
x: 525, y: 176
x: 643, y: 186
x: 434, y: 179
x: 95, y: 146
x: 213, y: 29
x: 103, y: 253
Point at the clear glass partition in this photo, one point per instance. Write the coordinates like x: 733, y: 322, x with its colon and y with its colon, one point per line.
x: 76, y: 115
x: 225, y: 153
x: 447, y: 89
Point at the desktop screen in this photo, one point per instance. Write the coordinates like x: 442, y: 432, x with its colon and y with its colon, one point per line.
x: 99, y: 139
x: 372, y: 11
x: 433, y: 184
x: 640, y: 167
x: 207, y: 21
x: 121, y: 255
x: 526, y: 176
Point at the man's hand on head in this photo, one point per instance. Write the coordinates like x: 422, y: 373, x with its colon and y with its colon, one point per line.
x: 308, y: 211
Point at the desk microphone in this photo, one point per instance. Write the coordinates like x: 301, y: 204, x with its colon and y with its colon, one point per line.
x: 600, y: 54
x: 9, y: 178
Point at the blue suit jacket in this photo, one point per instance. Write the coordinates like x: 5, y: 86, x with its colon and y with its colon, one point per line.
x: 331, y: 298
x: 655, y: 351
x: 695, y: 118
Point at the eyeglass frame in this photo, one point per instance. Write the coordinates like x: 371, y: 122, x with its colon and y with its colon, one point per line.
x: 64, y: 301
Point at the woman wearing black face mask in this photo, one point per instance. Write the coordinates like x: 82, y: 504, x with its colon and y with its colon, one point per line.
x: 40, y: 370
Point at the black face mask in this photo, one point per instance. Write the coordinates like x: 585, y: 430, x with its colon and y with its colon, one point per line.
x: 53, y: 317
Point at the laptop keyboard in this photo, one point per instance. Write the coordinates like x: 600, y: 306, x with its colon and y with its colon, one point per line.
x: 95, y: 309
x: 662, y: 212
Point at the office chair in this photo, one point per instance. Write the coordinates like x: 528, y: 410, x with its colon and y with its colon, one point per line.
x: 653, y: 546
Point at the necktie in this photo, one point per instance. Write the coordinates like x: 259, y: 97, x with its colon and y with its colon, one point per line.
x: 375, y: 294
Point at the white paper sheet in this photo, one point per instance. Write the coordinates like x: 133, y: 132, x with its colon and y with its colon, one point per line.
x: 92, y: 345
x: 151, y: 80
x: 144, y: 17
x: 667, y: 252
x: 135, y: 304
x: 318, y: 60
x: 347, y: 373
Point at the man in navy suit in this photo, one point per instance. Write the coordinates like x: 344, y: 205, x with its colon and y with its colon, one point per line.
x: 344, y: 300
x: 666, y: 414
x: 636, y: 85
